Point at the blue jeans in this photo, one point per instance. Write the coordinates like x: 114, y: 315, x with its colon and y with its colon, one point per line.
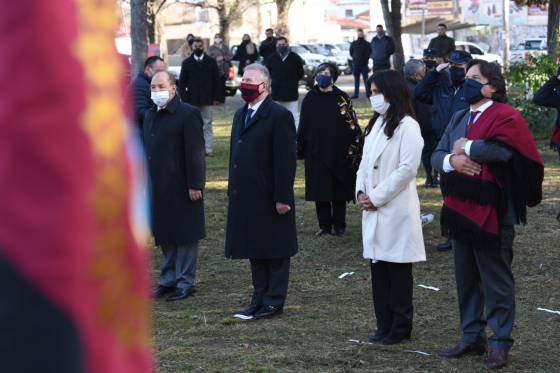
x: 357, y: 71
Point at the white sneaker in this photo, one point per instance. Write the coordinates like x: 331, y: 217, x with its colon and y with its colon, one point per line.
x: 426, y: 219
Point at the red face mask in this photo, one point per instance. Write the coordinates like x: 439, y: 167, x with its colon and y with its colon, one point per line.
x: 249, y: 92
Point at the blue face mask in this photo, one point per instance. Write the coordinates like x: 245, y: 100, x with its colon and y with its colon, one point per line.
x: 472, y: 91
x: 282, y: 50
x: 323, y: 81
x: 457, y: 75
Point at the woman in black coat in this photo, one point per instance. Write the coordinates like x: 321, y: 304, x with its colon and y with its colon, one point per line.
x: 246, y: 53
x: 329, y: 142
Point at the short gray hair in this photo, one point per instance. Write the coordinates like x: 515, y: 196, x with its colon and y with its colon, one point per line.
x: 263, y: 70
x: 412, y: 67
x: 170, y: 76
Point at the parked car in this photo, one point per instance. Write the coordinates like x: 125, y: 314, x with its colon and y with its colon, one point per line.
x: 310, y: 63
x: 332, y: 53
x: 529, y: 47
x: 232, y: 80
x: 478, y: 52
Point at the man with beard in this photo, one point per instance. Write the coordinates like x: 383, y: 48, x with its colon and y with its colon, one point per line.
x: 443, y: 89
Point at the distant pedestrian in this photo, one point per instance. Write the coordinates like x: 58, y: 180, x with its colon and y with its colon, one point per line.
x: 246, y: 53
x: 141, y: 89
x: 414, y: 71
x: 268, y: 45
x: 549, y: 96
x: 386, y: 192
x: 442, y: 43
x: 382, y: 47
x: 360, y: 51
x: 175, y: 154
x: 443, y: 89
x: 186, y: 49
x: 199, y: 85
x: 261, y: 223
x: 220, y: 52
x: 286, y: 70
x: 329, y: 141
x: 491, y: 172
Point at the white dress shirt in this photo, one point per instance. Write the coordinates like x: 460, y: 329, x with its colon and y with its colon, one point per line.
x: 447, y: 167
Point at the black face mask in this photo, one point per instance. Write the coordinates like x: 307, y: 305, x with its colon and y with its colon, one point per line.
x: 457, y: 75
x: 198, y: 52
x: 190, y: 41
x: 430, y: 64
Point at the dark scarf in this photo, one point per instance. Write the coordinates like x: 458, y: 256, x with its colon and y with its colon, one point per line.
x: 473, y: 205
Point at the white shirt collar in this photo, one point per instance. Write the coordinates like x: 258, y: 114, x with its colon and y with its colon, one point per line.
x: 256, y: 106
x: 199, y: 58
x: 483, y: 107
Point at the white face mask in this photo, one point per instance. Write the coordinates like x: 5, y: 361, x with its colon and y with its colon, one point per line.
x: 160, y: 98
x: 379, y: 104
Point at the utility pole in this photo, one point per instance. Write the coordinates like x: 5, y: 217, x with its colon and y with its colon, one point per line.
x: 506, y: 33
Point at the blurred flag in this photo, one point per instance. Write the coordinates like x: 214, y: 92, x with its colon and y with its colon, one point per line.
x: 74, y: 277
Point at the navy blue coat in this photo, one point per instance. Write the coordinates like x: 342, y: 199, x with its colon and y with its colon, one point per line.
x: 262, y: 170
x: 142, y: 100
x: 436, y: 89
x: 382, y: 49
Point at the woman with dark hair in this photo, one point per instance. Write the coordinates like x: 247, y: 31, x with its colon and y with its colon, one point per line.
x: 491, y: 171
x: 246, y: 53
x: 328, y: 140
x: 549, y: 96
x: 386, y: 192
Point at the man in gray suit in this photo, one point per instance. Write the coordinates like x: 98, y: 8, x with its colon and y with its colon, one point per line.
x: 491, y: 170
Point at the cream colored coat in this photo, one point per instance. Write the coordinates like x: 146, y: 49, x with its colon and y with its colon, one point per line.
x: 387, y: 174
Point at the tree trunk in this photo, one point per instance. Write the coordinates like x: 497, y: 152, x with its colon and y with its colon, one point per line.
x: 393, y: 20
x: 152, y: 25
x: 552, y: 29
x: 282, y: 22
x: 138, y: 33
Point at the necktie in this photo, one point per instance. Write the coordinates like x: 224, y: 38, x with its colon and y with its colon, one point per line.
x: 472, y: 118
x: 248, y: 117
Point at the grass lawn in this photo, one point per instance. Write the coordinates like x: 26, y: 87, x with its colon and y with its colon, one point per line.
x: 323, y: 313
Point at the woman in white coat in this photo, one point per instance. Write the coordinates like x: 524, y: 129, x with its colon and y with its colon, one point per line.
x: 386, y: 192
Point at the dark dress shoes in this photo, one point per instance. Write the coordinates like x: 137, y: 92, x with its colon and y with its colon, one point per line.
x: 180, y: 294
x: 322, y: 232
x: 461, y: 349
x: 160, y: 291
x: 393, y: 339
x: 377, y: 337
x: 339, y: 232
x: 497, y: 359
x: 267, y: 312
x: 249, y: 311
x: 444, y: 246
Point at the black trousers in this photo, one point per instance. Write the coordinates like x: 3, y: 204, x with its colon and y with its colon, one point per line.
x: 270, y: 281
x: 430, y: 143
x: 331, y: 214
x: 392, y: 297
x: 485, y: 281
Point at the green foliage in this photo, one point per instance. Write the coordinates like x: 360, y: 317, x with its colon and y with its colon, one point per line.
x: 523, y: 80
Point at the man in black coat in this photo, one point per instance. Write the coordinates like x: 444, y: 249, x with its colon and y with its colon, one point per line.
x: 360, y: 50
x: 174, y: 145
x: 141, y: 88
x: 286, y: 70
x: 261, y: 223
x: 382, y: 47
x: 268, y: 45
x: 199, y: 85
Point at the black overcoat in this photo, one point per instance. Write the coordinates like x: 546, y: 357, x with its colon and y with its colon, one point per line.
x: 199, y: 82
x: 328, y: 127
x: 262, y: 170
x: 174, y: 145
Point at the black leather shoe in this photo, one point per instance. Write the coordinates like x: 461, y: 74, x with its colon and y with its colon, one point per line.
x: 160, y: 291
x: 393, y: 339
x: 267, y: 312
x: 462, y: 349
x: 340, y: 232
x: 248, y: 311
x: 322, y: 232
x: 444, y: 246
x: 497, y: 359
x: 377, y: 337
x: 180, y: 294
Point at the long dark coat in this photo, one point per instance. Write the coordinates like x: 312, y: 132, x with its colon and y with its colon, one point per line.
x: 262, y: 170
x: 325, y: 136
x: 199, y: 82
x: 176, y: 161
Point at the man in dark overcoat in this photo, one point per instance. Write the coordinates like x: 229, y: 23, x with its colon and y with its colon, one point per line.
x: 261, y: 223
x: 175, y: 150
x: 199, y: 85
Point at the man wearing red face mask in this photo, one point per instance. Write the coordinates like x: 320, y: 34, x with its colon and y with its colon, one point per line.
x: 261, y: 223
